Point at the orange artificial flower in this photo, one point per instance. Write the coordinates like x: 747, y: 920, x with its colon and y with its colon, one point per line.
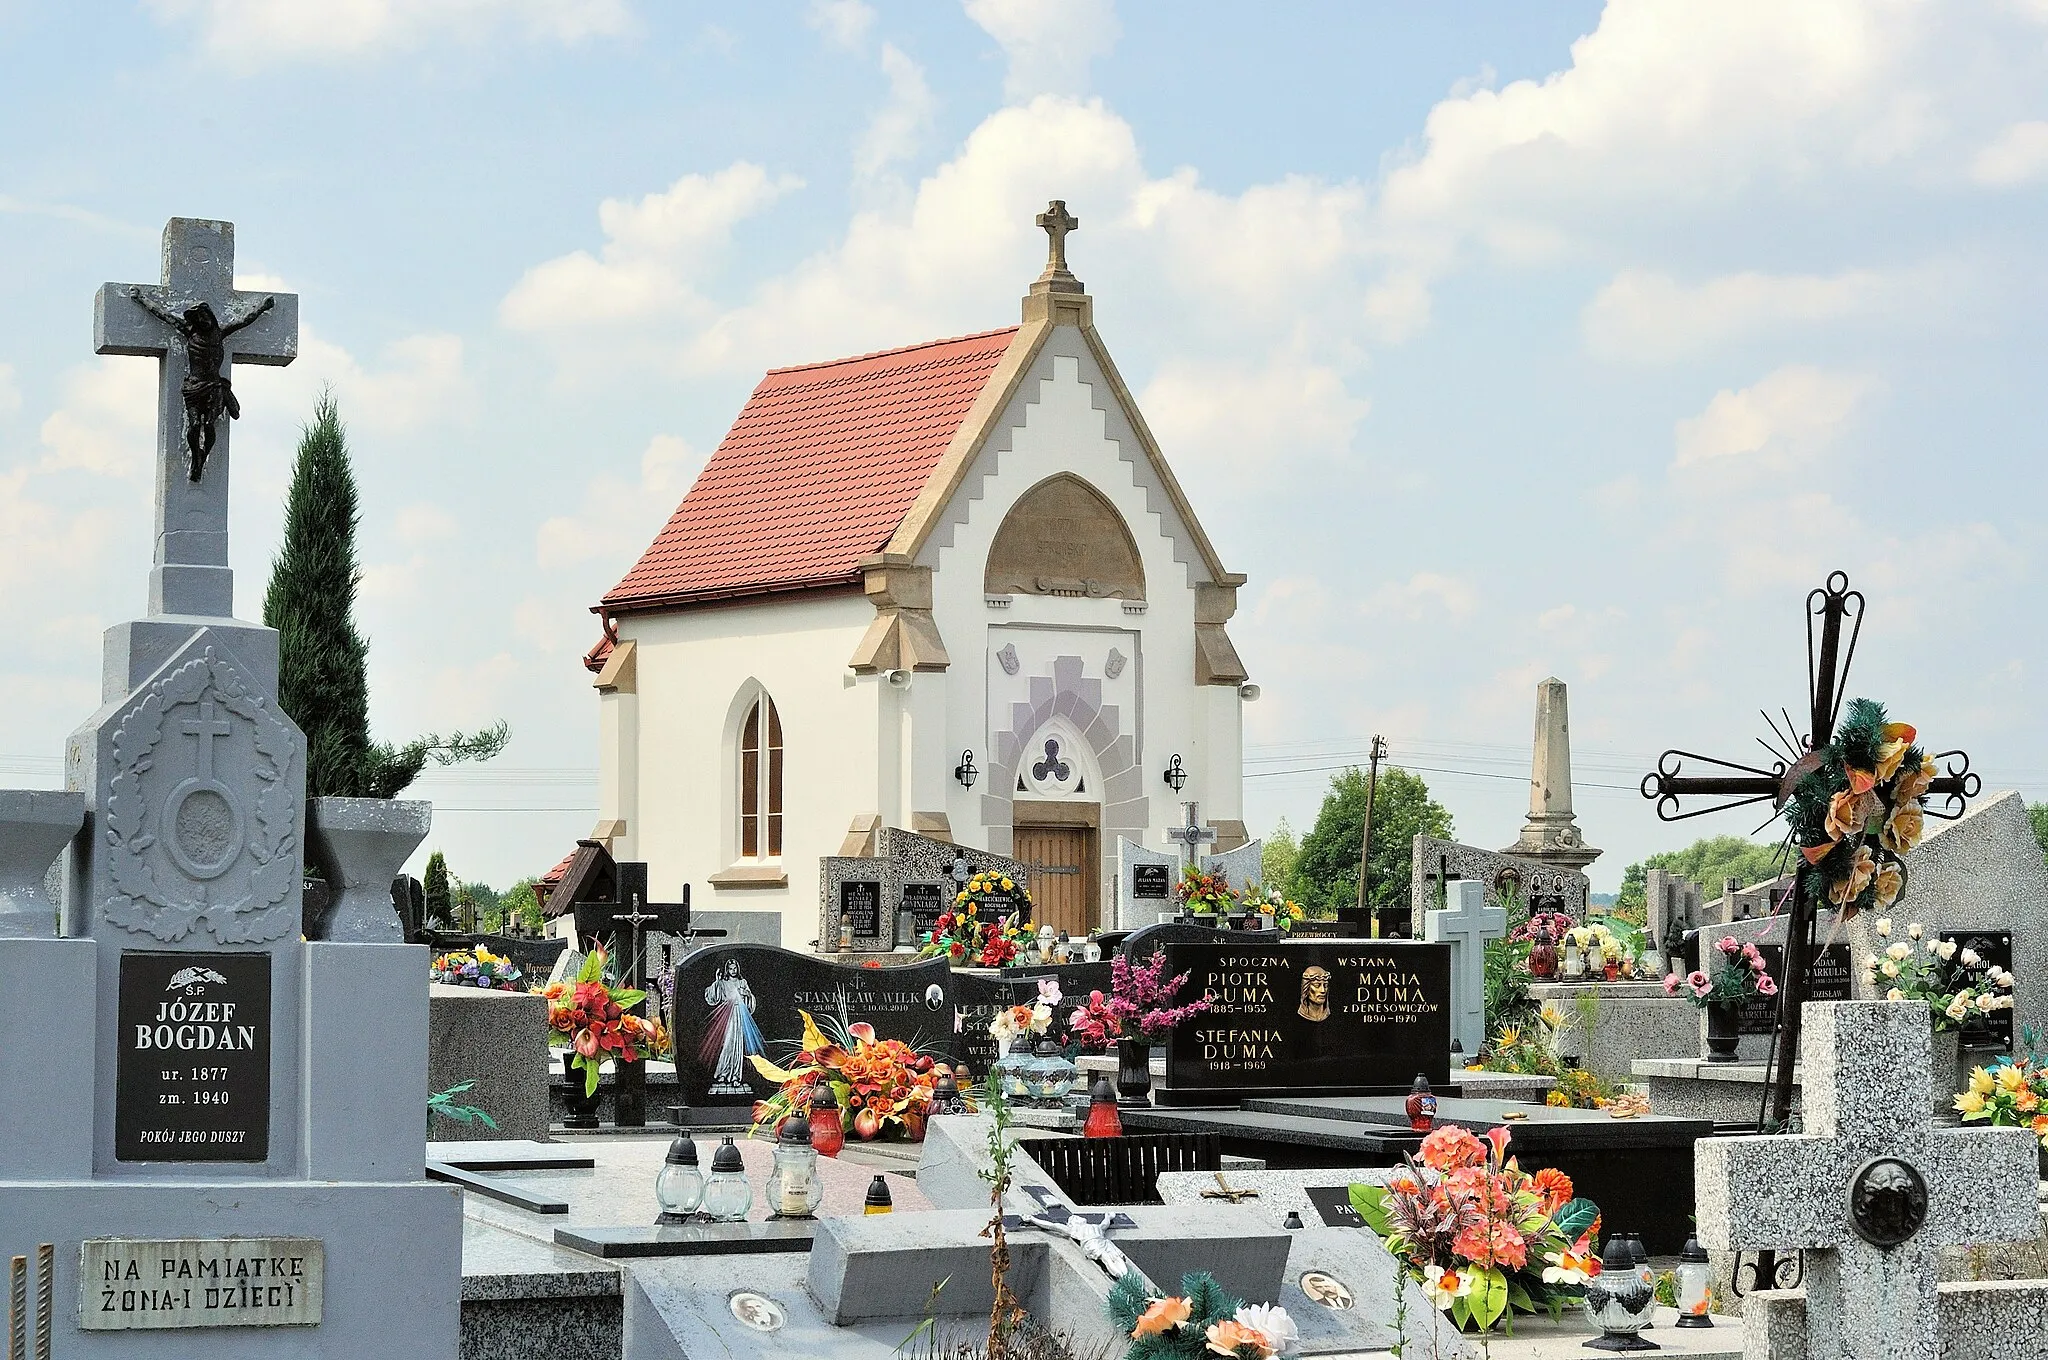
x: 1889, y: 883
x: 1844, y: 891
x: 1849, y: 812
x: 1163, y: 1316
x: 1227, y: 1336
x: 1893, y: 740
x: 1903, y: 829
x: 1914, y: 782
x: 1861, y: 781
x: 1555, y: 1188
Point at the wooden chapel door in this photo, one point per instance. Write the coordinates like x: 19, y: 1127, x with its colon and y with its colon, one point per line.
x: 1061, y: 862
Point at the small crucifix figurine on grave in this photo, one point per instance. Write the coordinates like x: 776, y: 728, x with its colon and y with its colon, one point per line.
x: 197, y: 325
x: 1871, y: 1191
x: 1193, y: 835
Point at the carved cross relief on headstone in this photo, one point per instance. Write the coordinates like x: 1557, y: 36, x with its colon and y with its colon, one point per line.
x: 198, y: 326
x: 1872, y: 1190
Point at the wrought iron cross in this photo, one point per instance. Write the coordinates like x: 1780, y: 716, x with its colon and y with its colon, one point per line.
x: 197, y: 326
x: 1794, y: 755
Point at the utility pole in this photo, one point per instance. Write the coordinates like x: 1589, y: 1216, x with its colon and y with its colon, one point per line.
x: 1372, y: 787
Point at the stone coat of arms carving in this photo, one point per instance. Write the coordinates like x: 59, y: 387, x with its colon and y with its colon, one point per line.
x: 201, y: 813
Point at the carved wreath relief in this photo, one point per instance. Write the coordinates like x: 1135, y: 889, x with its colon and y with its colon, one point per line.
x: 198, y: 848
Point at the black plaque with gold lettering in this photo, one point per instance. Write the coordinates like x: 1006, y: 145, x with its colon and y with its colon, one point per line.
x: 192, y: 1080
x: 1331, y: 1017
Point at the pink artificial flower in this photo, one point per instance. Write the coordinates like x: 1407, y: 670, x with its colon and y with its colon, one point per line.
x: 1671, y: 984
x: 863, y: 1031
x: 1696, y: 980
x: 1727, y: 945
x: 1749, y: 951
x: 1702, y: 990
x: 1766, y: 985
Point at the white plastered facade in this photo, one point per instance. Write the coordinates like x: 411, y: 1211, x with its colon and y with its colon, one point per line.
x: 1112, y: 680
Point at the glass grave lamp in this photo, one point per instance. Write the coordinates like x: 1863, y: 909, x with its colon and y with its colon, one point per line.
x: 945, y: 1092
x: 1048, y: 942
x: 794, y: 1187
x: 1048, y: 1075
x: 1619, y: 1300
x: 727, y: 1196
x: 879, y: 1201
x: 1103, y: 1120
x: 1421, y: 1105
x: 828, y: 1129
x: 1694, y: 1298
x: 1091, y: 952
x: 680, y: 1186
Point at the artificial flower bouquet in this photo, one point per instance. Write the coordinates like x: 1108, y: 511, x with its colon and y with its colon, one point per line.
x: 1857, y: 812
x: 1200, y: 1323
x: 1957, y: 985
x: 1205, y: 894
x: 1483, y: 1237
x: 1554, y: 924
x: 1095, y: 1025
x: 2013, y: 1092
x: 967, y: 938
x: 477, y: 967
x: 1738, y: 976
x: 1532, y: 1050
x: 589, y: 1015
x: 883, y: 1085
x: 1023, y: 1021
x: 1141, y: 999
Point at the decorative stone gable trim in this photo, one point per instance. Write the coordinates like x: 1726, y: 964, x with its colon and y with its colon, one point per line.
x: 903, y: 636
x: 1216, y: 660
x: 621, y: 673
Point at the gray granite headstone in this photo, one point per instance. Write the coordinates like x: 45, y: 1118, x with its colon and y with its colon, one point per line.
x: 1144, y: 883
x: 222, y: 1077
x: 1466, y: 925
x: 1240, y: 867
x: 902, y: 860
x: 1532, y: 884
x: 1872, y: 1190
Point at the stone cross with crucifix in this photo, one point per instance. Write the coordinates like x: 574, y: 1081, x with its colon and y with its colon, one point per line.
x: 1871, y: 1191
x: 1192, y: 836
x: 1466, y: 924
x: 197, y: 325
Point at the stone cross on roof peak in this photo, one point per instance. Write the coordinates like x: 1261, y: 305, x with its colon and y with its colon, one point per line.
x: 197, y: 325
x: 1872, y: 1190
x: 1057, y: 222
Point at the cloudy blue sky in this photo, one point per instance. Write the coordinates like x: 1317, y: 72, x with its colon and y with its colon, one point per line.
x: 1492, y: 340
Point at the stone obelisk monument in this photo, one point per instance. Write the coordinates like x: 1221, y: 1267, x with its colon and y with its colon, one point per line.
x: 1552, y: 833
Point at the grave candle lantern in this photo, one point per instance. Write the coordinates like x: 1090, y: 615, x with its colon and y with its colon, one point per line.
x: 680, y: 1186
x: 727, y: 1196
x: 794, y: 1188
x: 1103, y: 1120
x: 828, y: 1128
x: 1421, y: 1105
x: 879, y: 1200
x: 1693, y: 1274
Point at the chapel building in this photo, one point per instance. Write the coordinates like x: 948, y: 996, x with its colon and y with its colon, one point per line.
x: 952, y: 588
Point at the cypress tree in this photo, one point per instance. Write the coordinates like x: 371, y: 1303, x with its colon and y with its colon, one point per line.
x: 323, y: 677
x: 323, y: 662
x: 439, y: 905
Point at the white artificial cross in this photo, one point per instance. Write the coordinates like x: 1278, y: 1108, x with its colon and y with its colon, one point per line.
x: 1466, y: 925
x: 190, y: 573
x: 1865, y: 1089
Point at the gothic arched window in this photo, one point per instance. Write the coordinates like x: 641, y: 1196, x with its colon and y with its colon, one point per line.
x: 760, y: 790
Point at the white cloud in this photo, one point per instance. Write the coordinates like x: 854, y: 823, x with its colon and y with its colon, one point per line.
x: 903, y: 119
x: 1216, y: 417
x: 617, y: 518
x: 1426, y: 594
x: 106, y: 423
x: 1779, y: 425
x: 845, y: 22
x: 419, y: 379
x: 2019, y: 154
x: 1049, y: 43
x: 247, y: 32
x: 1642, y: 316
x: 654, y: 253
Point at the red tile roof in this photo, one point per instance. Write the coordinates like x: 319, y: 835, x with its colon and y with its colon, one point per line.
x: 817, y: 472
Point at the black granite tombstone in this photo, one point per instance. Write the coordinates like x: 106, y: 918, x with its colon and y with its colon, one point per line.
x: 1992, y: 946
x: 860, y: 908
x: 977, y: 994
x: 736, y: 1001
x: 918, y: 916
x: 1829, y: 981
x: 1150, y: 882
x: 1309, y: 1016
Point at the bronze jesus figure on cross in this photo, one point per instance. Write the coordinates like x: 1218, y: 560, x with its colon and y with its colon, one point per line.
x: 207, y: 389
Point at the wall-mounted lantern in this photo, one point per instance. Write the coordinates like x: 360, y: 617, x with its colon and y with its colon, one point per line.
x: 1176, y: 776
x: 965, y: 771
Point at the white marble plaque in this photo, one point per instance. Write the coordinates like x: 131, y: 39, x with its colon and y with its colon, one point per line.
x: 129, y: 1284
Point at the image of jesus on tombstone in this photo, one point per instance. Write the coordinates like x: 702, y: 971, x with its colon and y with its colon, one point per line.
x: 730, y: 1036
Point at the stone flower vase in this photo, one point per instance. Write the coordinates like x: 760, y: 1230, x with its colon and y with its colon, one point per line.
x: 35, y: 826
x: 1945, y: 1075
x: 1134, y: 1071
x: 360, y: 845
x: 582, y: 1108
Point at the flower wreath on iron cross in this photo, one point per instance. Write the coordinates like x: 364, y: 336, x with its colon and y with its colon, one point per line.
x: 1855, y: 813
